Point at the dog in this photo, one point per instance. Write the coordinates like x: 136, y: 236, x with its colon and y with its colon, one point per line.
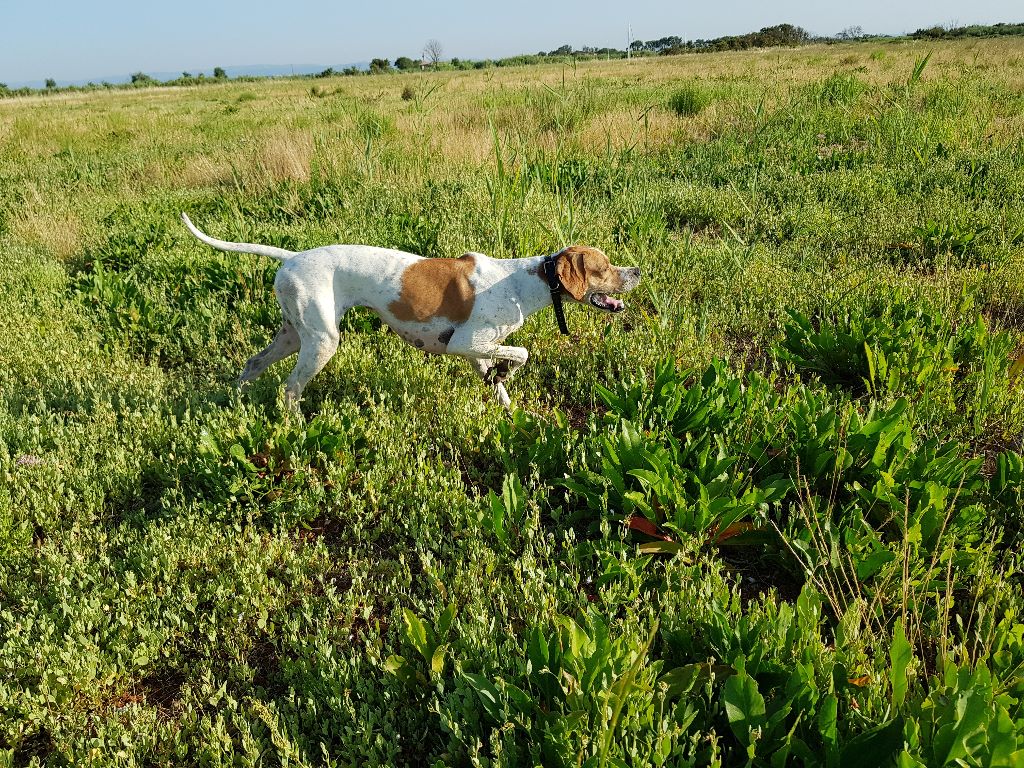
x: 465, y: 306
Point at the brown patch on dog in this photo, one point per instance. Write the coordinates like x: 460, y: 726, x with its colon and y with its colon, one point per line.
x: 436, y: 288
x: 583, y: 269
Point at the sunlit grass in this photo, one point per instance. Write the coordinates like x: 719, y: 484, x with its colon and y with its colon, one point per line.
x: 191, y: 575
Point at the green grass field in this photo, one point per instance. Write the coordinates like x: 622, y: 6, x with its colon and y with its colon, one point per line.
x: 771, y: 515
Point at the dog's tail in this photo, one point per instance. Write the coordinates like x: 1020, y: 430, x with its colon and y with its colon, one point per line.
x: 260, y: 250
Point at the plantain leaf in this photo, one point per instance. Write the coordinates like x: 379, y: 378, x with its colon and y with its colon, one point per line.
x: 899, y: 657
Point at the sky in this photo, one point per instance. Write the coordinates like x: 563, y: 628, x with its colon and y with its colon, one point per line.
x: 74, y: 40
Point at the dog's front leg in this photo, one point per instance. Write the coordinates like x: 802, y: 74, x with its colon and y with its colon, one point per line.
x: 495, y: 364
x: 485, y: 369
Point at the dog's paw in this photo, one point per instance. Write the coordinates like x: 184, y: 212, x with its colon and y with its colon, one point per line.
x: 497, y: 374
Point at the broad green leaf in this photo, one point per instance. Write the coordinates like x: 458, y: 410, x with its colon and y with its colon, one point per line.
x: 899, y: 657
x: 1016, y: 368
x: 444, y: 622
x: 437, y: 660
x: 400, y: 668
x: 576, y: 635
x: 684, y: 679
x: 496, y: 522
x: 394, y: 663
x: 870, y: 564
x: 828, y: 715
x: 957, y: 740
x: 416, y: 634
x: 905, y: 760
x: 874, y: 747
x: 489, y: 696
x: 537, y: 650
x: 521, y: 700
x: 744, y: 705
x: 1002, y: 738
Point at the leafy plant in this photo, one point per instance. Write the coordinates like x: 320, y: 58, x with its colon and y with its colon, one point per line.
x: 964, y: 719
x: 958, y: 239
x: 128, y: 308
x: 428, y: 640
x: 901, y: 351
x: 573, y: 695
x: 506, y: 516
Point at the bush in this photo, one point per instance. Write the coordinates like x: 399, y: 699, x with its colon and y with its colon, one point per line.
x: 689, y: 100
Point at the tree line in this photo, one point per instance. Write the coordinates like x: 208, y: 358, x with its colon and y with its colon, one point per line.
x: 780, y: 35
x: 431, y: 58
x: 974, y: 30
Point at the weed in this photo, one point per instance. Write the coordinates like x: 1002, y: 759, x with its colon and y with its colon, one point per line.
x: 689, y: 100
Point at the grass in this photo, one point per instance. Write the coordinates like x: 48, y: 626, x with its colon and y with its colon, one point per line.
x: 771, y: 515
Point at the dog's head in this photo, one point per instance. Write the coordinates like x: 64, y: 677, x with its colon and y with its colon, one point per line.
x: 590, y: 278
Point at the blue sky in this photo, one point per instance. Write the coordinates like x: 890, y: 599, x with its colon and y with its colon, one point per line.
x: 91, y: 40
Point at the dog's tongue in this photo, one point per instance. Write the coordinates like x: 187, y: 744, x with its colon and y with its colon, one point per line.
x: 611, y: 303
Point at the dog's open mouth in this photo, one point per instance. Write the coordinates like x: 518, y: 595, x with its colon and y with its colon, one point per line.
x: 606, y: 302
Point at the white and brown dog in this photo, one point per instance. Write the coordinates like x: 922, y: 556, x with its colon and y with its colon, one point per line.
x: 465, y: 306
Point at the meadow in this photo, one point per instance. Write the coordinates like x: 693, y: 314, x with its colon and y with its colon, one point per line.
x: 771, y: 515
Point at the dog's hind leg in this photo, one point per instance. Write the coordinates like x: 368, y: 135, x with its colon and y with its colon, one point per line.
x: 316, y: 351
x: 285, y: 343
x: 317, y: 348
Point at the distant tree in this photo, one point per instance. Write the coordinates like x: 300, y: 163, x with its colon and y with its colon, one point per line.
x: 141, y: 78
x: 636, y: 46
x: 219, y: 73
x: 51, y: 83
x: 851, y: 33
x: 3, y: 87
x: 329, y: 72
x: 564, y: 50
x: 404, y: 63
x: 380, y: 65
x: 187, y: 75
x: 433, y: 51
x: 351, y: 71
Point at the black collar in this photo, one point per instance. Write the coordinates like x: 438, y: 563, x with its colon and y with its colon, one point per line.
x: 555, y: 284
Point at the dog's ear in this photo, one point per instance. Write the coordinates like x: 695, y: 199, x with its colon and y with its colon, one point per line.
x: 572, y: 271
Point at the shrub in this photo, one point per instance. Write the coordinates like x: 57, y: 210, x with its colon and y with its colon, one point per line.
x: 837, y: 89
x: 689, y: 100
